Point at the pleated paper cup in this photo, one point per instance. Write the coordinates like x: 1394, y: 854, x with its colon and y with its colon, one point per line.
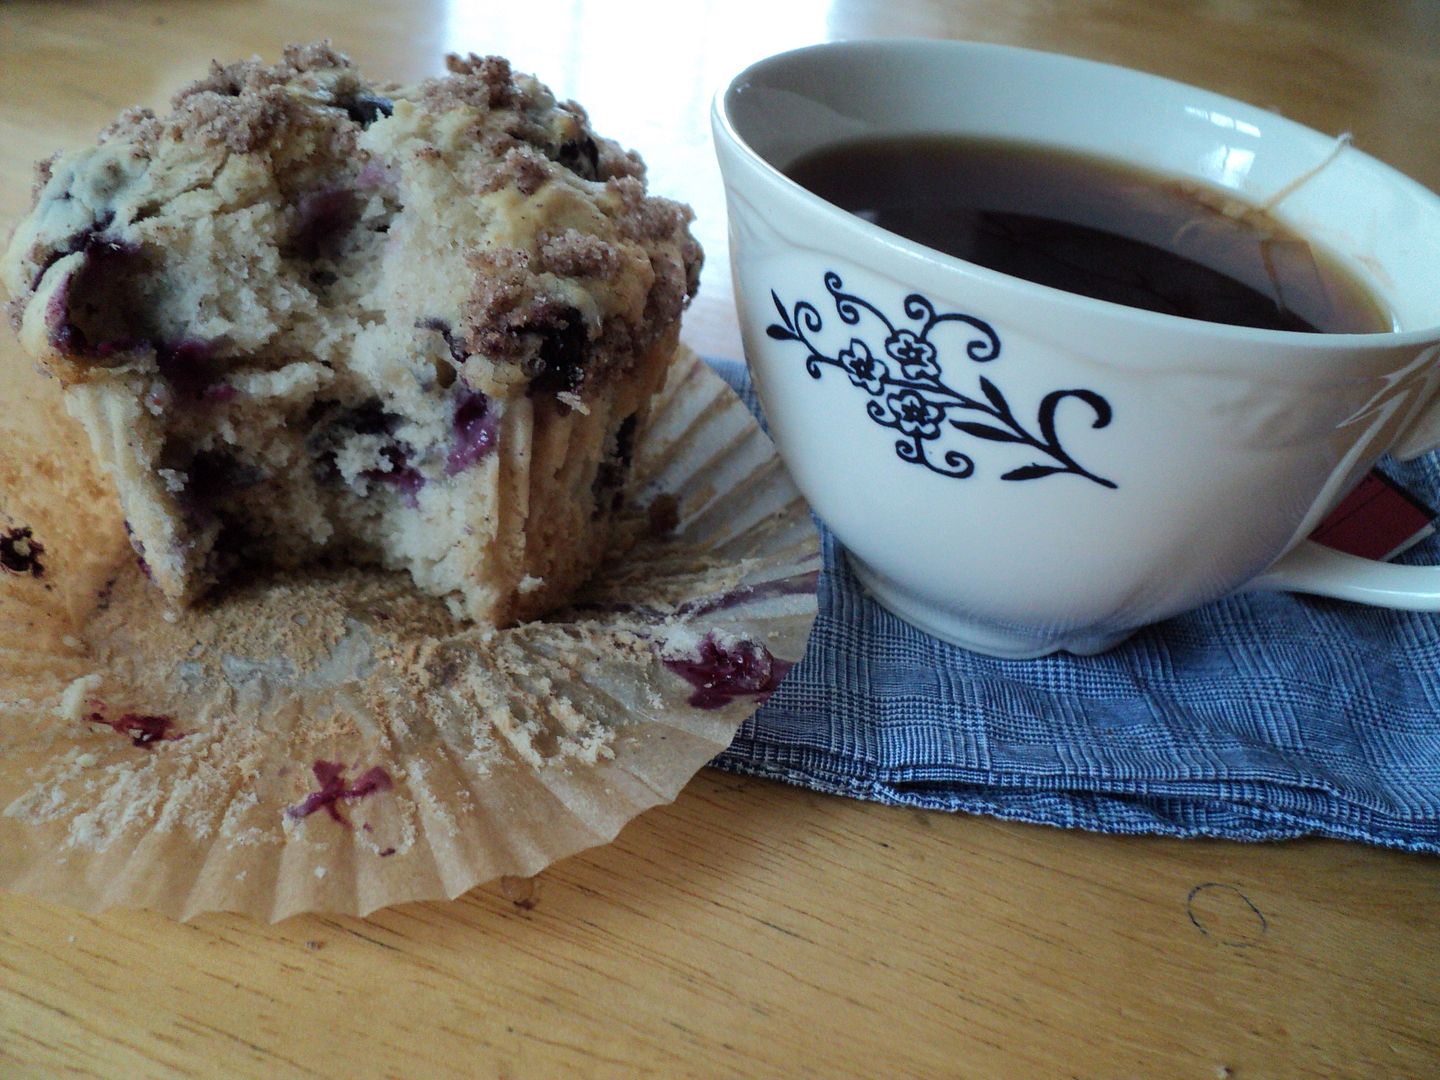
x: 331, y: 741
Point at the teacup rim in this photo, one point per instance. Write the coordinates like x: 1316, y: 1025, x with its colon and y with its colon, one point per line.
x: 722, y: 121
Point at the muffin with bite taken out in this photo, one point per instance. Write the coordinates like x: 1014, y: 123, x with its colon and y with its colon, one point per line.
x: 305, y: 316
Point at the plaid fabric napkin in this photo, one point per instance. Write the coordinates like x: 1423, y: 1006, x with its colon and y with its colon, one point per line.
x: 1260, y: 717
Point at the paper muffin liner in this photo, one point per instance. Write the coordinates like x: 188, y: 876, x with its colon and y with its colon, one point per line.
x: 329, y: 740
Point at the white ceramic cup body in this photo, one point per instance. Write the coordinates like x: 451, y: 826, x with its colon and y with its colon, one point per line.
x: 1114, y: 466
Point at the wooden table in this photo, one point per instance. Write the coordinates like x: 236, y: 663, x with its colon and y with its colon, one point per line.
x: 755, y: 930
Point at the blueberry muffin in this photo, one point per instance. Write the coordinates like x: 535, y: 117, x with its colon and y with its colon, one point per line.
x: 305, y: 316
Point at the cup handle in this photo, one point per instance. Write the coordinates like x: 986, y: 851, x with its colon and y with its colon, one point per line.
x: 1321, y: 571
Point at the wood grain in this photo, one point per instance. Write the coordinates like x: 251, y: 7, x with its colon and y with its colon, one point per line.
x: 754, y: 930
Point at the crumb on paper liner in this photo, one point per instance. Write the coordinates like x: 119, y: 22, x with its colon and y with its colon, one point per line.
x: 329, y: 740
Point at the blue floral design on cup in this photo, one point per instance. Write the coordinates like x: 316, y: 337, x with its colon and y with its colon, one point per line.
x: 865, y: 370
x: 914, y: 415
x: 919, y: 403
x: 916, y: 355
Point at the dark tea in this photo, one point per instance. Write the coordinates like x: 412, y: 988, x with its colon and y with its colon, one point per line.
x: 1097, y: 228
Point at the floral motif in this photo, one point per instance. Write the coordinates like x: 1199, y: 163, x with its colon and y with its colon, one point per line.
x: 916, y: 355
x: 865, y: 369
x: 919, y: 404
x: 914, y: 415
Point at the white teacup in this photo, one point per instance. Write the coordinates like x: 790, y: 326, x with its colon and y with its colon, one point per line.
x: 1170, y: 461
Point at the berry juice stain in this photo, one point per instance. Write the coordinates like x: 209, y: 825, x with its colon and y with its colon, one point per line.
x: 721, y: 673
x: 330, y: 775
x: 144, y: 729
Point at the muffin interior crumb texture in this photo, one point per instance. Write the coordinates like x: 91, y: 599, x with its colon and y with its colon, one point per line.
x: 306, y: 316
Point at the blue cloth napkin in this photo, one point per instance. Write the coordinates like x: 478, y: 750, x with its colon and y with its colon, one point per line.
x: 1260, y: 717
